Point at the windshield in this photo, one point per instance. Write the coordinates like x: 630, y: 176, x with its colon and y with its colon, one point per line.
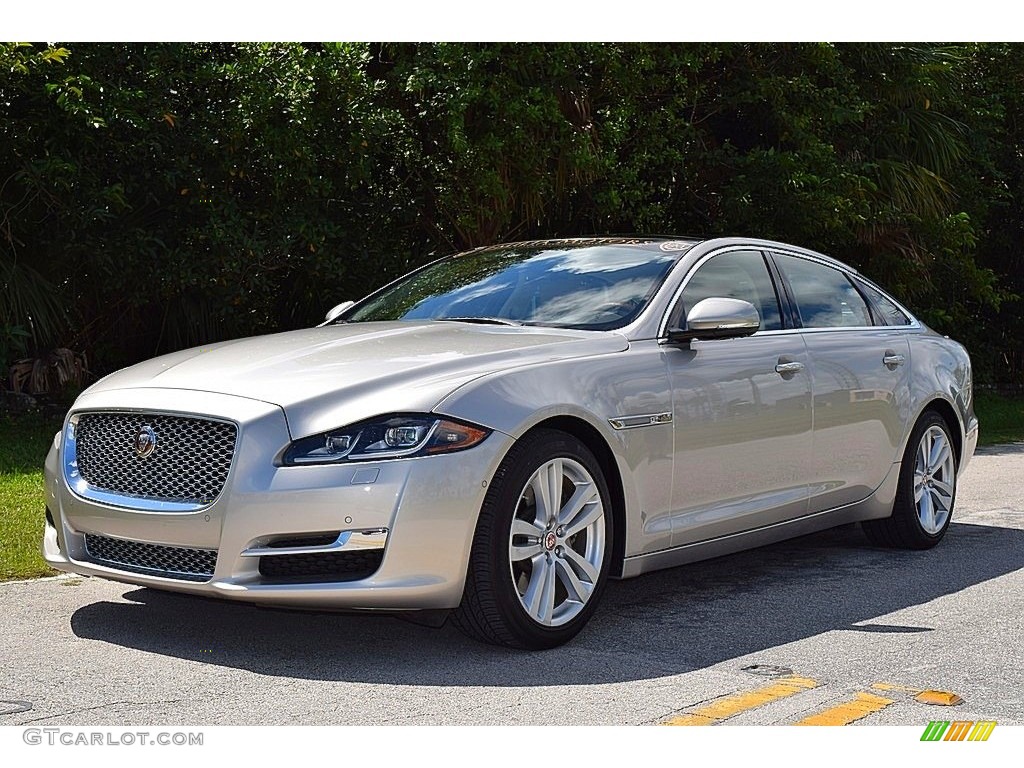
x: 592, y: 287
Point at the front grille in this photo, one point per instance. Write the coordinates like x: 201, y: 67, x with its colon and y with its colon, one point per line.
x: 319, y: 567
x: 151, y: 559
x: 190, y: 462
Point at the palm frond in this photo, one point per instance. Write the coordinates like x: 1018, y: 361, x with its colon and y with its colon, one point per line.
x: 30, y: 302
x: 913, y: 189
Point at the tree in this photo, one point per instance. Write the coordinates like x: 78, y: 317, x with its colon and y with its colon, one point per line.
x: 162, y: 195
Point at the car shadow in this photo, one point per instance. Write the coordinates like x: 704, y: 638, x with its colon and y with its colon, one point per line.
x: 661, y: 624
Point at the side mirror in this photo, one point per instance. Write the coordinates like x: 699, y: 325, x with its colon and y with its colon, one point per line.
x: 717, y: 318
x: 336, y: 311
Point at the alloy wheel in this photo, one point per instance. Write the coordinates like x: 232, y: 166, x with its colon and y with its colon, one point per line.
x: 934, y: 480
x: 557, y: 542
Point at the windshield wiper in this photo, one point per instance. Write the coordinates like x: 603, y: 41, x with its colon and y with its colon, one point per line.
x: 480, y: 320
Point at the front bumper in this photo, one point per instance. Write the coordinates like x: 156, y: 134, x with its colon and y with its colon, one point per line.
x: 421, y: 511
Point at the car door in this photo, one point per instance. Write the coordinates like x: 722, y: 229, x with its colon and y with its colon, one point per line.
x: 741, y: 408
x: 860, y: 379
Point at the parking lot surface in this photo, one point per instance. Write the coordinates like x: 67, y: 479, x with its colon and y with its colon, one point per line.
x: 821, y: 629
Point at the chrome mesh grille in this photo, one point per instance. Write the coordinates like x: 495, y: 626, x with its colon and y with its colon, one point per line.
x: 152, y: 559
x: 190, y: 462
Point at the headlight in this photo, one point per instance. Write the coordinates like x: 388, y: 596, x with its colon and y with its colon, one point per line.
x: 385, y: 437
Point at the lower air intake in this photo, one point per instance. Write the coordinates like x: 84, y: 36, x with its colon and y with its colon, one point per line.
x: 169, y: 562
x: 320, y: 567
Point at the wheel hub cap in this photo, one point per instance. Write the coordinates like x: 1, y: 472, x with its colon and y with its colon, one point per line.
x: 934, y: 480
x: 557, y: 542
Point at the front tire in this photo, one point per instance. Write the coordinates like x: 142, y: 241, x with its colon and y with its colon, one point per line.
x: 926, y: 492
x: 543, y: 545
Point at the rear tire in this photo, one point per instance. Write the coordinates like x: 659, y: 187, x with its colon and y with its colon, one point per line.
x: 538, y: 566
x: 926, y: 492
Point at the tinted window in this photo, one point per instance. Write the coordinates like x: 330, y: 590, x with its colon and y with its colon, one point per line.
x: 824, y: 296
x: 734, y: 275
x: 888, y: 312
x: 596, y: 287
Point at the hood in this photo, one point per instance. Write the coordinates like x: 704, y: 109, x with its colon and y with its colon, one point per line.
x: 328, y: 377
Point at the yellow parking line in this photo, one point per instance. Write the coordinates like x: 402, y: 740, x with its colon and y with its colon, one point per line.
x: 861, y: 705
x: 734, y: 704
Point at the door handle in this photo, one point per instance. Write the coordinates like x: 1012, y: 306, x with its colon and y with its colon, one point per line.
x: 788, y: 367
x: 892, y: 360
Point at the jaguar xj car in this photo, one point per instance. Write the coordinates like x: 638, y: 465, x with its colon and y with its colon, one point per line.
x: 496, y: 435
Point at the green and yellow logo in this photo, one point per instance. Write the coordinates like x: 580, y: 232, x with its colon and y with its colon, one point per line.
x: 958, y: 730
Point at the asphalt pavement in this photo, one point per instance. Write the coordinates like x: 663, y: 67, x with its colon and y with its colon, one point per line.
x: 778, y: 635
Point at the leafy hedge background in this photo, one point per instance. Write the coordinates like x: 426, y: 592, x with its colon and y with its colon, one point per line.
x: 155, y: 196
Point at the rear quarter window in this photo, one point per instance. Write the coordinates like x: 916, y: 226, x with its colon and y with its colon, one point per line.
x: 886, y: 311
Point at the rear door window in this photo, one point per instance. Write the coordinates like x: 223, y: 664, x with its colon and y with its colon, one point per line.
x: 824, y: 296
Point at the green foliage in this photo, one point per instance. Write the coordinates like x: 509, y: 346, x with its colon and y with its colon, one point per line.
x: 24, y: 441
x: 499, y: 137
x: 31, y: 309
x: 13, y: 344
x: 1001, y: 418
x: 154, y: 196
x: 181, y: 193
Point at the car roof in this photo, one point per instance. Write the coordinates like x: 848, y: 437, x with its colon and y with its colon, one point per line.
x: 583, y: 242
x: 686, y: 242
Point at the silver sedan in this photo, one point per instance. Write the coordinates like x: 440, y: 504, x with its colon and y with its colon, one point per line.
x: 497, y: 434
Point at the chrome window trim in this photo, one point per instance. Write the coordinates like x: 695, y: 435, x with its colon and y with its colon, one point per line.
x: 766, y: 250
x: 83, y: 490
x: 851, y: 328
